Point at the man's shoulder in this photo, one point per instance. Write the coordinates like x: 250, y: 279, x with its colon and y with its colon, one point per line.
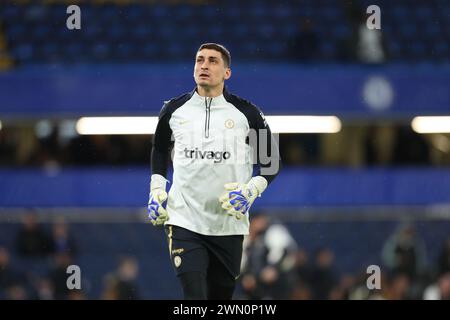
x: 249, y: 109
x: 174, y: 103
x: 239, y: 101
x: 179, y: 100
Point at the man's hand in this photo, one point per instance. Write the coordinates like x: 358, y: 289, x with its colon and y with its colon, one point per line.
x: 238, y: 197
x: 156, y: 212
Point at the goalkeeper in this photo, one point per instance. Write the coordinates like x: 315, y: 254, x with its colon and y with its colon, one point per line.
x: 218, y: 138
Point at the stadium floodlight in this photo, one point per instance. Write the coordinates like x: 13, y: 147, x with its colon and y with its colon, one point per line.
x: 147, y: 125
x: 304, y: 124
x: 116, y: 125
x: 431, y: 124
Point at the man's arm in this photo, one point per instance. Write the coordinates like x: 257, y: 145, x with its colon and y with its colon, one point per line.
x: 268, y: 159
x: 159, y: 161
x: 161, y: 144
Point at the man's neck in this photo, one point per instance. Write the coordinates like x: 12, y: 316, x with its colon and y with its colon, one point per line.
x: 210, y: 92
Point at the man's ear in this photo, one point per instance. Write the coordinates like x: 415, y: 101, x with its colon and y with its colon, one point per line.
x: 227, y: 73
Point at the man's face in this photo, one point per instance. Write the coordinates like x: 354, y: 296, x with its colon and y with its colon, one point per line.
x: 210, y: 69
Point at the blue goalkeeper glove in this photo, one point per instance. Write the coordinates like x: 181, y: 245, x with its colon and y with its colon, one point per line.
x: 158, y: 195
x: 238, y: 197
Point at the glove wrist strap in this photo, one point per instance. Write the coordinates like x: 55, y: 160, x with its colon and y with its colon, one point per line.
x: 260, y: 183
x: 158, y: 182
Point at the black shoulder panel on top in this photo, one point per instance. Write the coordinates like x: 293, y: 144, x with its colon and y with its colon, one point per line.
x: 171, y: 105
x: 251, y: 112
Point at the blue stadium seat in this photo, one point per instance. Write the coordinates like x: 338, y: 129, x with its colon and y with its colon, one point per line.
x: 41, y: 32
x: 10, y: 12
x: 124, y: 51
x: 423, y: 13
x: 431, y: 30
x: 167, y: 31
x: 101, y: 50
x: 111, y: 13
x: 328, y: 50
x: 395, y: 49
x: 175, y: 50
x: 159, y: 12
x: 74, y: 51
x: 232, y: 14
x: 288, y: 31
x: 282, y: 11
x: 408, y: 31
x: 57, y: 11
x: 266, y: 31
x: 241, y: 31
x: 400, y: 12
x: 116, y: 33
x: 340, y: 31
x: 442, y: 50
x: 23, y: 52
x: 185, y: 12
x: 17, y: 33
x: 141, y: 31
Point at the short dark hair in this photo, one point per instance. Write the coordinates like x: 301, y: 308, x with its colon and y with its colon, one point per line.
x: 226, y: 56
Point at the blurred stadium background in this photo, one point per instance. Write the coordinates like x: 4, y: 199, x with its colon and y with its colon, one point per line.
x: 370, y: 188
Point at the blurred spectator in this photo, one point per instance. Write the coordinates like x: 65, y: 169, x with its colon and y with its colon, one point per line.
x: 302, y: 276
x: 16, y: 292
x: 6, y: 273
x: 399, y: 287
x: 364, y: 45
x: 110, y: 288
x: 122, y: 284
x: 268, y: 259
x: 405, y: 253
x: 5, y: 60
x: 295, y: 154
x: 357, y: 287
x: 343, y: 289
x: 7, y: 147
x: 378, y: 145
x: 44, y: 289
x: 370, y: 45
x: 8, y: 276
x: 439, y: 290
x: 323, y: 275
x: 58, y: 275
x: 304, y: 47
x: 301, y: 292
x: 302, y: 267
x: 62, y: 241
x: 410, y: 148
x: 81, y: 150
x: 300, y: 150
x: 32, y: 240
x: 127, y: 274
x: 444, y: 259
x: 49, y: 153
x: 76, y: 295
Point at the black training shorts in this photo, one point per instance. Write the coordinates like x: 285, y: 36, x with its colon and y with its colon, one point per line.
x: 219, y: 257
